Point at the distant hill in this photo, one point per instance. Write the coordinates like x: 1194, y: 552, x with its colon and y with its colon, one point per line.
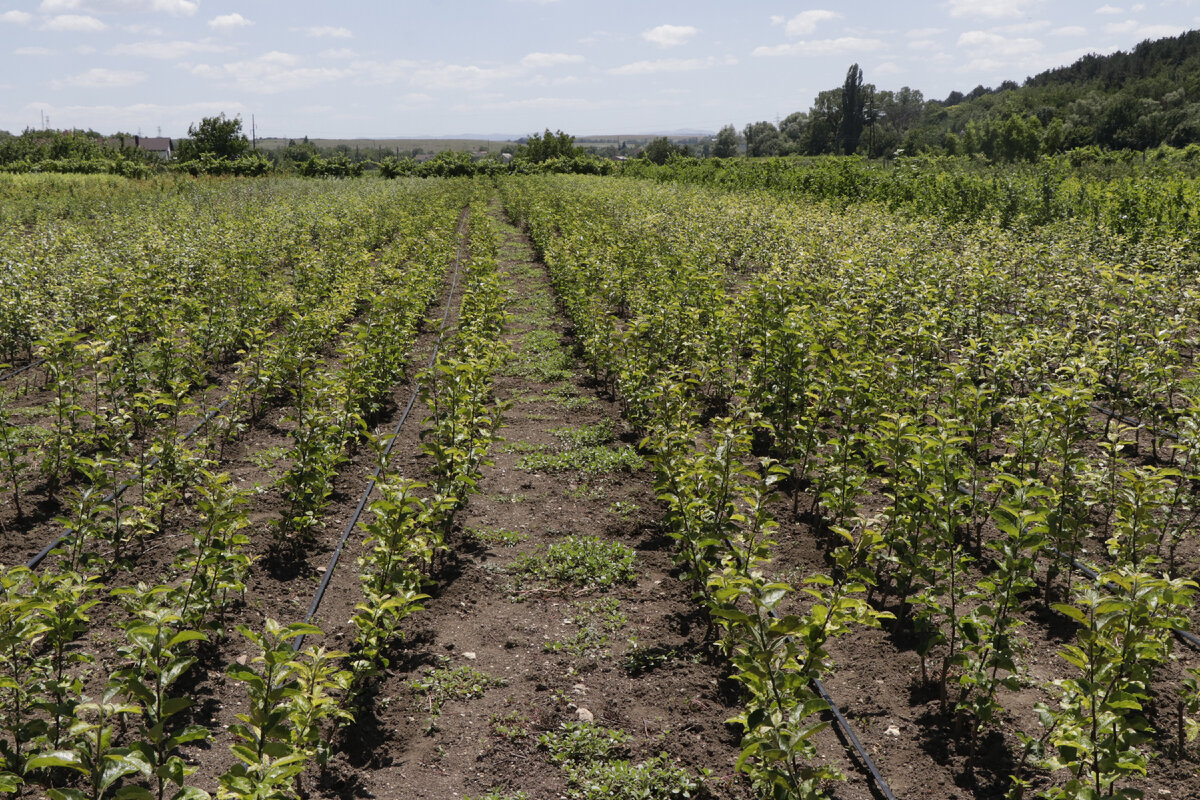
x: 1138, y: 99
x: 385, y: 147
x: 1132, y: 100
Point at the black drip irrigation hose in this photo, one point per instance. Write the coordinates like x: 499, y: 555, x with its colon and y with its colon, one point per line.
x: 1134, y: 421
x: 847, y: 733
x: 298, y: 642
x: 120, y: 490
x: 844, y: 726
x: 15, y: 372
x: 1187, y: 637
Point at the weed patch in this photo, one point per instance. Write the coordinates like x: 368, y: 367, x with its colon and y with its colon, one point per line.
x: 590, y: 460
x: 583, y: 561
x: 595, y: 619
x: 592, y: 435
x: 500, y: 536
x: 594, y: 759
x: 443, y: 684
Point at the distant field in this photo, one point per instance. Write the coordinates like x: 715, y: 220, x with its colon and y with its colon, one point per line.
x: 395, y: 145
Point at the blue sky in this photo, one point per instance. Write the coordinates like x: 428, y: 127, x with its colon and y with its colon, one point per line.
x: 407, y: 68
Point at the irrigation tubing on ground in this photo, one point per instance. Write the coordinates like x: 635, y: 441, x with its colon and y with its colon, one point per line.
x: 848, y: 734
x: 844, y: 726
x: 1134, y: 421
x: 1187, y: 637
x: 15, y: 372
x: 120, y: 490
x: 298, y: 642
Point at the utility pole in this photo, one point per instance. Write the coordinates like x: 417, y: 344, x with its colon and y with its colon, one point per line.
x: 253, y: 134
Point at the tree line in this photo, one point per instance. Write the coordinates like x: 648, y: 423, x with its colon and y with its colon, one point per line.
x: 1135, y: 100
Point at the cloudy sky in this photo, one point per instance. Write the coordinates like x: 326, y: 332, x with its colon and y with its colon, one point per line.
x: 429, y: 67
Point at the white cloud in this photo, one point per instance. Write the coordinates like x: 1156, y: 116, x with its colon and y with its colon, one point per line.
x: 173, y: 118
x: 175, y: 7
x: 1023, y: 27
x: 228, y: 22
x: 537, y: 103
x: 990, y: 52
x: 1106, y: 9
x: 167, y: 50
x: 886, y: 68
x: 543, y: 60
x: 1069, y: 30
x: 473, y: 77
x: 34, y: 51
x: 821, y: 47
x: 99, y: 78
x: 330, y: 31
x: 805, y: 22
x: 669, y: 35
x: 271, y: 73
x: 16, y: 17
x: 1133, y: 28
x: 989, y: 43
x: 461, y: 76
x: 413, y: 101
x: 672, y: 65
x: 74, y: 22
x: 989, y: 9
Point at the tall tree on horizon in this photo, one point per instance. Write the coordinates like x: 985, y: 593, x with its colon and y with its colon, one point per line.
x: 853, y: 108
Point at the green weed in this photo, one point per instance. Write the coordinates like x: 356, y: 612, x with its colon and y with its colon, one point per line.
x: 584, y: 561
x: 590, y: 460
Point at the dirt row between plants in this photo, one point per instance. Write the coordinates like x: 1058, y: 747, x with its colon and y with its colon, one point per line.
x: 513, y: 645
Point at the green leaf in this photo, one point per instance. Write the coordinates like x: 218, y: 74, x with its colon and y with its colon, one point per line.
x: 66, y: 794
x: 186, y: 636
x: 58, y: 758
x: 191, y: 793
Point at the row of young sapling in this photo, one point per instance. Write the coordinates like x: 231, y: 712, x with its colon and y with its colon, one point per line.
x: 139, y: 435
x: 128, y: 742
x: 953, y: 482
x: 120, y: 395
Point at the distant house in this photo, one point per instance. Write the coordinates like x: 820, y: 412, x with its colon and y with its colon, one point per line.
x: 158, y: 145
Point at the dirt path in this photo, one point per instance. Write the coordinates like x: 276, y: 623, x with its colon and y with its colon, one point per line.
x: 542, y: 652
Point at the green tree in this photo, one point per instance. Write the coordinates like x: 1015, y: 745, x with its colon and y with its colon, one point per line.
x: 216, y: 136
x: 794, y: 132
x: 762, y: 139
x: 726, y: 145
x: 853, y: 110
x: 544, y: 146
x: 824, y: 122
x: 661, y: 148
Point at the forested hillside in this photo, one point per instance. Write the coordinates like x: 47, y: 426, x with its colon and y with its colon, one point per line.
x: 1138, y: 99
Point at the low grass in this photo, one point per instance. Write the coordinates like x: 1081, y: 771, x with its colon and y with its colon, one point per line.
x: 585, y: 562
x: 590, y: 460
x: 595, y: 620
